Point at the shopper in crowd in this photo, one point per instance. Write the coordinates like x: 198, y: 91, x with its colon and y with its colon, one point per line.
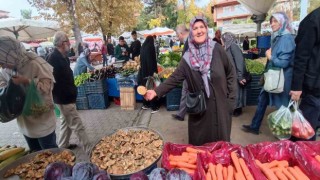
x: 236, y: 56
x: 110, y: 48
x: 71, y: 53
x: 104, y: 53
x: 122, y: 50
x: 217, y: 37
x: 41, y: 52
x: 65, y: 94
x: 80, y: 48
x: 205, y: 64
x: 148, y: 68
x: 306, y: 76
x: 182, y: 33
x: 83, y: 63
x: 135, y: 45
x: 245, y: 44
x: 39, y: 131
x: 280, y: 55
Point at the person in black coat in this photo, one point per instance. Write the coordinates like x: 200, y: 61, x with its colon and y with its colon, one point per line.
x: 148, y: 67
x: 135, y: 45
x: 245, y: 44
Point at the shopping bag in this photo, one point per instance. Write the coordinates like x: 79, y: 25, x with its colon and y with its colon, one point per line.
x: 34, y: 104
x: 301, y: 128
x: 280, y: 122
x: 274, y: 80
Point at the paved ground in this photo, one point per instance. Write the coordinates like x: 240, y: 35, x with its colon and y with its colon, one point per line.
x: 100, y: 123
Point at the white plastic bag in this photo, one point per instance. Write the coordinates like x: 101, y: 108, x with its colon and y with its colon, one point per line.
x: 301, y: 128
x: 274, y: 81
x: 280, y: 122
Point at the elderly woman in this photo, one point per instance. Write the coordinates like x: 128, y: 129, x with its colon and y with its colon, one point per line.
x: 39, y: 131
x: 280, y: 55
x: 236, y: 56
x: 83, y: 63
x: 205, y: 64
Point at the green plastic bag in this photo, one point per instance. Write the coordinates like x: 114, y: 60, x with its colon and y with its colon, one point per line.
x: 34, y: 104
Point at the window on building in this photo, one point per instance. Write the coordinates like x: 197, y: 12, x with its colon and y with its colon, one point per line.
x: 226, y: 9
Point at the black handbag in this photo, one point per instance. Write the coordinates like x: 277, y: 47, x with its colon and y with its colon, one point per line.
x: 12, y: 98
x: 196, y: 102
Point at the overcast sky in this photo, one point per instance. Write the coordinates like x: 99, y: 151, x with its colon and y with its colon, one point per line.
x: 14, y: 6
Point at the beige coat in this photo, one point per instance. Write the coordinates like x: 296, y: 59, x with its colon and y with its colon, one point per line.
x: 45, y: 124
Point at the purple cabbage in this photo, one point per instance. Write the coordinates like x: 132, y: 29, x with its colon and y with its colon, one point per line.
x: 102, y: 175
x: 57, y: 170
x: 139, y: 176
x: 177, y: 174
x: 84, y: 170
x: 158, y: 174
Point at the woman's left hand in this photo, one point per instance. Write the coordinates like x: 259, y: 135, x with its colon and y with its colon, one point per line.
x: 268, y: 54
x: 20, y: 80
x: 150, y: 95
x: 243, y: 82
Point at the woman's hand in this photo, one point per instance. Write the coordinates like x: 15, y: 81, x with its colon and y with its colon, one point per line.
x: 268, y: 54
x: 243, y: 82
x: 150, y: 94
x: 20, y: 80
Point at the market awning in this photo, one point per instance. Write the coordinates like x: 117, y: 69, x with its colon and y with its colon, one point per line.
x: 160, y: 31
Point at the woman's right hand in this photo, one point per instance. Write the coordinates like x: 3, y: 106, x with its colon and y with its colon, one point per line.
x: 150, y: 95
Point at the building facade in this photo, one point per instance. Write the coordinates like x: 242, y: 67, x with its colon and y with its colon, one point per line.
x: 226, y: 11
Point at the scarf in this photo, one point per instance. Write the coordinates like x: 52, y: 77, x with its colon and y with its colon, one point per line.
x: 13, y: 53
x: 285, y: 26
x: 228, y: 39
x: 199, y: 56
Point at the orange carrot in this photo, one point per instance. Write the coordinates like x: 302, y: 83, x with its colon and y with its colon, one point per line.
x: 189, y: 171
x: 193, y: 150
x: 280, y: 175
x: 212, y: 169
x: 192, y: 161
x: 225, y: 172
x: 304, y: 176
x: 295, y: 174
x: 178, y: 158
x: 236, y: 163
x: 189, y: 154
x: 173, y: 163
x: 239, y: 176
x: 273, y: 163
x: 283, y: 163
x: 317, y: 158
x: 186, y: 165
x: 245, y: 170
x: 269, y: 173
x: 230, y: 173
x: 288, y: 174
x: 208, y: 176
x: 219, y: 172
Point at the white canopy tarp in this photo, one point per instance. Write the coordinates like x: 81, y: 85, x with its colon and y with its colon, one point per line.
x: 240, y: 29
x: 257, y: 7
x: 127, y: 35
x: 27, y: 29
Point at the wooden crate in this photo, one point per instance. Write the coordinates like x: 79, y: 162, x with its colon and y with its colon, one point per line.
x: 127, y: 98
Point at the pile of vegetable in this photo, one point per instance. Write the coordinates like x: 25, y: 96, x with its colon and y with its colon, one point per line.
x: 166, y: 72
x: 171, y: 59
x: 280, y: 123
x: 9, y: 154
x: 81, y: 79
x: 254, y: 67
x: 35, y: 167
x: 81, y: 170
x: 127, y: 151
x: 281, y: 170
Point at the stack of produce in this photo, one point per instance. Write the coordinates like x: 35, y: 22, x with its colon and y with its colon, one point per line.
x: 9, y: 154
x: 81, y: 170
x: 35, y: 167
x: 81, y: 79
x: 162, y: 174
x: 131, y: 65
x: 171, y: 59
x: 127, y: 151
x: 166, y: 72
x: 254, y: 67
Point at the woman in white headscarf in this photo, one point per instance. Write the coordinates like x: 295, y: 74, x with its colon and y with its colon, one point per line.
x: 205, y: 66
x: 38, y: 131
x: 83, y: 63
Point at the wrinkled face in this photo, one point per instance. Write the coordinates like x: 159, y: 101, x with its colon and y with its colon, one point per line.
x: 121, y: 42
x: 180, y: 36
x: 199, y: 32
x: 66, y: 45
x: 275, y: 25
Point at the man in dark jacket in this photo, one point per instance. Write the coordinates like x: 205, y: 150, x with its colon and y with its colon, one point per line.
x: 65, y: 93
x: 217, y: 37
x: 306, y: 76
x: 135, y: 45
